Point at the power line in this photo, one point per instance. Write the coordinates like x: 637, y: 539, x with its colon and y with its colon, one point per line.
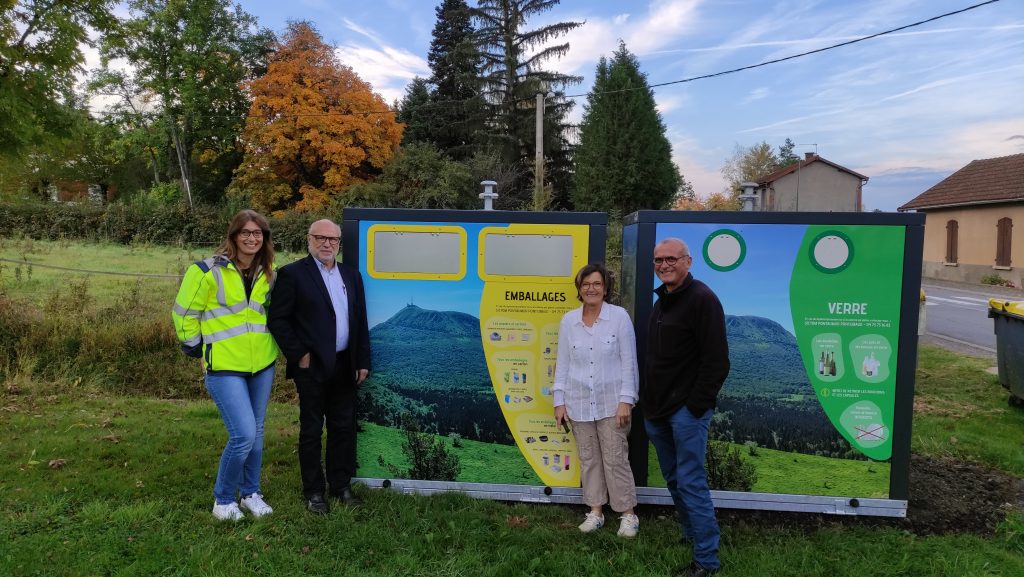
x: 465, y: 103
x: 88, y: 271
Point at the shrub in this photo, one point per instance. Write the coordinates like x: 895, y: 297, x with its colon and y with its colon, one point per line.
x: 727, y: 471
x: 428, y: 456
x: 150, y: 220
x: 996, y: 280
x: 751, y: 448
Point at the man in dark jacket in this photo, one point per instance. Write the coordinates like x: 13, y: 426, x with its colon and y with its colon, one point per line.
x: 318, y: 318
x: 687, y: 362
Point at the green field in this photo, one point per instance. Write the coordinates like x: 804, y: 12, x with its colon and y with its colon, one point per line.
x: 777, y: 471
x: 796, y: 473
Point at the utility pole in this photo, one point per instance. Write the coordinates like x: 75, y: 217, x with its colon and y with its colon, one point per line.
x: 539, y: 201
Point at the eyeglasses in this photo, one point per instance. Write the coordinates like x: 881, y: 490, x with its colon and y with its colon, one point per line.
x: 669, y: 260
x: 319, y: 239
x: 592, y: 285
x: 246, y: 233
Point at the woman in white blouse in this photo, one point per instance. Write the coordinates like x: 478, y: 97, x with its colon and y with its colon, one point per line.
x: 596, y: 385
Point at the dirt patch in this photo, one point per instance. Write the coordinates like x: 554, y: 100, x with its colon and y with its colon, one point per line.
x: 949, y: 496
x: 946, y: 496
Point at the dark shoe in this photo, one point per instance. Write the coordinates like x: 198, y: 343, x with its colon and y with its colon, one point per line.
x: 695, y: 569
x: 347, y: 497
x: 317, y: 504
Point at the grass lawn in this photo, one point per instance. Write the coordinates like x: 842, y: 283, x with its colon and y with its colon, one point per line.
x: 24, y: 280
x: 121, y: 486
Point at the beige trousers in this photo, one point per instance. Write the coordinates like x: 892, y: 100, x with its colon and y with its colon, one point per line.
x: 604, y: 464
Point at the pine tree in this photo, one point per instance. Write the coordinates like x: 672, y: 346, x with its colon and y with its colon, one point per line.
x: 455, y: 104
x: 415, y: 112
x: 786, y: 156
x: 511, y: 79
x: 624, y: 160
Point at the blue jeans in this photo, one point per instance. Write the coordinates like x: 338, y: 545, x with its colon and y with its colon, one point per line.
x: 681, y: 441
x: 242, y: 402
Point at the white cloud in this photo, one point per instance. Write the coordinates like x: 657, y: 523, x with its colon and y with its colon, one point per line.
x: 664, y: 23
x: 386, y: 68
x: 667, y: 102
x: 756, y: 94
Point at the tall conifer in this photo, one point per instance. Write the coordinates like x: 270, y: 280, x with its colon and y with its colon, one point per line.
x: 511, y: 78
x: 624, y: 160
x: 454, y: 60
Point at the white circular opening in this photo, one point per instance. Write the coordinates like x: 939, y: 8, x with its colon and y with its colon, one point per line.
x: 724, y: 250
x: 831, y: 252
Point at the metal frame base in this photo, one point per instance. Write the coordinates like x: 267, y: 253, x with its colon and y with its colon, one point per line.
x: 652, y: 496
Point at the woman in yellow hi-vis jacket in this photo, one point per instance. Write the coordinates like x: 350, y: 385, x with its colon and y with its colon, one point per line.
x: 220, y: 315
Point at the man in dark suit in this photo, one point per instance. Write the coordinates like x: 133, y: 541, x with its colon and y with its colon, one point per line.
x: 318, y: 318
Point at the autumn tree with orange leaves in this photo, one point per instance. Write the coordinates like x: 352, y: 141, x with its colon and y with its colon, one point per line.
x: 314, y: 128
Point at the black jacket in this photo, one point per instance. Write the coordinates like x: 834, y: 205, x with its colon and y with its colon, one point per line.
x: 302, y: 320
x: 687, y: 352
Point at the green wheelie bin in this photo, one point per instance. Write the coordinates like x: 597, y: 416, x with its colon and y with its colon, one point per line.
x: 1009, y: 328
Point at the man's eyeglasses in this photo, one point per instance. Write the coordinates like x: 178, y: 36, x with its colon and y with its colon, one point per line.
x: 319, y: 239
x: 244, y: 233
x: 669, y: 260
x: 592, y: 285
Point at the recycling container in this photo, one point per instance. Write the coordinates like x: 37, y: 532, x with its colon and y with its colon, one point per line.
x: 1009, y: 328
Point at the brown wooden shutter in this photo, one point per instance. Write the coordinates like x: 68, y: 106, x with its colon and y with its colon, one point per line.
x: 952, y: 229
x: 1004, y: 234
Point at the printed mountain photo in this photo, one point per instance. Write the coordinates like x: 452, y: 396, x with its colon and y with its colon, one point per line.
x: 767, y: 399
x: 431, y: 365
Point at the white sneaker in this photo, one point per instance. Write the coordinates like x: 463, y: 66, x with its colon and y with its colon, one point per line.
x: 629, y: 526
x: 256, y: 505
x: 229, y: 512
x: 593, y: 522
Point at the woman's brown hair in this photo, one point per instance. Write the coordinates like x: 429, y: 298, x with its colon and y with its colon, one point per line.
x: 606, y: 278
x: 264, y: 259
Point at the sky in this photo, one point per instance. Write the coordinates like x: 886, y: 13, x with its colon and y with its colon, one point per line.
x: 905, y: 109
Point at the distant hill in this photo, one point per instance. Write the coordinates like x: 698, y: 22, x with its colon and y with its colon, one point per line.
x: 431, y: 350
x: 431, y: 364
x: 414, y: 318
x: 765, y: 359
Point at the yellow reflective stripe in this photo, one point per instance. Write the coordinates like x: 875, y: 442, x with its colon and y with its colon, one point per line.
x: 234, y: 332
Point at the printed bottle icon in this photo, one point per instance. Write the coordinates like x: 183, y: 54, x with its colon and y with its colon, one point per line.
x: 821, y: 363
x: 832, y: 366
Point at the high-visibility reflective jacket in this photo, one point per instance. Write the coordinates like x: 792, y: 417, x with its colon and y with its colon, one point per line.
x: 214, y: 320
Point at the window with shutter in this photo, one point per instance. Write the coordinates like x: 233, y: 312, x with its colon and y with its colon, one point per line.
x: 952, y: 228
x: 1004, y: 234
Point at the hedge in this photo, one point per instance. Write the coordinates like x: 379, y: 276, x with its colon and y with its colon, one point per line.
x: 122, y: 223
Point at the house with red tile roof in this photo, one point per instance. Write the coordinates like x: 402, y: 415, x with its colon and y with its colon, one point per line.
x: 969, y: 218
x: 813, y: 184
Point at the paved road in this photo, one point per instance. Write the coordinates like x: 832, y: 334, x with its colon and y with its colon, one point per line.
x: 960, y: 315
